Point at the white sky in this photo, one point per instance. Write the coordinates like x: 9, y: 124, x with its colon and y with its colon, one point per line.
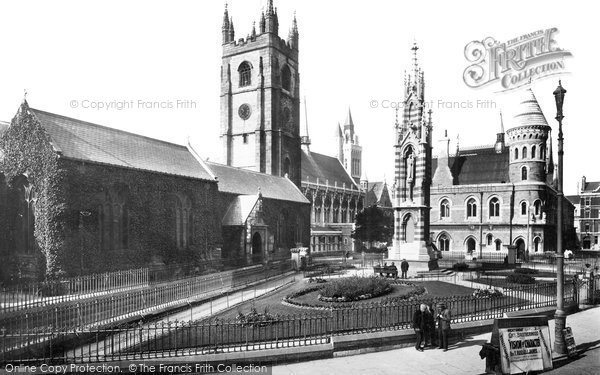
x: 350, y: 54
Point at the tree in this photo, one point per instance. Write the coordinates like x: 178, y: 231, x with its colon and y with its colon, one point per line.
x: 373, y: 225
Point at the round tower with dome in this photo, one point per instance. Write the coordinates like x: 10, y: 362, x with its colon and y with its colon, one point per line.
x: 527, y: 142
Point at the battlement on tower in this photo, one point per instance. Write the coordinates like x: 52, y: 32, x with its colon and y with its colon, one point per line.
x: 260, y: 41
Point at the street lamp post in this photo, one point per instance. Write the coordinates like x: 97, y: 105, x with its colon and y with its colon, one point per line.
x: 560, y: 318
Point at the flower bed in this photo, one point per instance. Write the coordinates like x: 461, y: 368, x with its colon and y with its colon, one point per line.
x: 391, y: 287
x: 526, y: 271
x: 354, y: 289
x: 255, y: 319
x: 487, y: 293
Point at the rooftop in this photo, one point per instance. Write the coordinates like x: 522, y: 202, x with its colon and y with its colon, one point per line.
x: 81, y: 140
x: 478, y: 166
x: 325, y: 169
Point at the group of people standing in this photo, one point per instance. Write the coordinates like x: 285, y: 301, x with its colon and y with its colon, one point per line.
x: 428, y: 324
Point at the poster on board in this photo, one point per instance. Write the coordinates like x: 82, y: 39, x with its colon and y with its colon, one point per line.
x: 524, y: 349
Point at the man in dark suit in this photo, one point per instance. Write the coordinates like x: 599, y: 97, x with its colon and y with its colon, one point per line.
x: 443, y: 319
x: 404, y: 268
x: 419, y: 324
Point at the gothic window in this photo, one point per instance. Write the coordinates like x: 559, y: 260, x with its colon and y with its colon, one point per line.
x: 286, y: 78
x: 471, y: 208
x: 536, y: 244
x: 183, y: 222
x: 494, y: 207
x: 533, y: 152
x: 245, y: 71
x: 444, y: 243
x: 444, y: 209
x: 516, y: 153
x: 524, y: 173
x: 523, y: 208
x: 524, y: 152
x: 114, y: 222
x: 490, y: 239
x: 537, y: 207
x: 498, y: 245
x: 542, y: 152
x: 25, y: 225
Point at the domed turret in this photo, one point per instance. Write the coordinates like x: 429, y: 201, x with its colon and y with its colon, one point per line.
x: 527, y: 141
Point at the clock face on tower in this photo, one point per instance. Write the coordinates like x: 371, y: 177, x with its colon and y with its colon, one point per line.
x: 244, y: 111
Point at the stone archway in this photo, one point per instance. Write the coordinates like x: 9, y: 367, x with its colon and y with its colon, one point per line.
x: 471, y: 245
x: 409, y: 229
x: 520, y: 245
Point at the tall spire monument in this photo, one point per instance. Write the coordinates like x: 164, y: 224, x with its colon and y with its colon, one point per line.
x: 411, y: 198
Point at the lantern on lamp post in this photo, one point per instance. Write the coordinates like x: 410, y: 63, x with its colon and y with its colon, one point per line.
x: 560, y: 318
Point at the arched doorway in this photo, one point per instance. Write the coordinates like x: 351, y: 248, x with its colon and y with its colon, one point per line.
x: 520, y: 244
x: 471, y: 244
x: 256, y: 245
x: 409, y: 229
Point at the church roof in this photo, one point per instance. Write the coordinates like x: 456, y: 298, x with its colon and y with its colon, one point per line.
x: 244, y: 182
x: 81, y: 140
x: 573, y: 199
x: 239, y: 210
x: 529, y: 111
x: 478, y: 166
x: 325, y: 169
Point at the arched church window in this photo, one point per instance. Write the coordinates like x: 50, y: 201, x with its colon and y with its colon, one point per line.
x: 114, y: 221
x: 183, y: 222
x: 444, y: 243
x: 537, y: 207
x: 445, y: 209
x: 498, y: 245
x: 523, y: 208
x: 524, y: 152
x: 471, y: 208
x: 494, y: 207
x: 536, y: 244
x: 516, y: 153
x: 26, y: 198
x: 524, y: 173
x: 533, y: 152
x: 489, y: 239
x: 286, y: 78
x: 245, y: 71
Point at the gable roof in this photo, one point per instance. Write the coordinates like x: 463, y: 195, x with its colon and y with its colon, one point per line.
x: 239, y: 210
x: 325, y: 168
x: 375, y: 194
x: 478, y: 166
x: 245, y: 182
x: 81, y: 140
x: 573, y: 199
x: 591, y: 187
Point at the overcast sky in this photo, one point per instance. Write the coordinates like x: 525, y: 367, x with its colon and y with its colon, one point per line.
x: 351, y: 54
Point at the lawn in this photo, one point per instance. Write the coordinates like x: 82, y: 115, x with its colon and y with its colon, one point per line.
x: 273, y: 304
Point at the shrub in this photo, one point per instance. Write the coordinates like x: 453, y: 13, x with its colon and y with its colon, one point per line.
x: 520, y: 279
x: 355, y: 288
x: 254, y: 318
x: 462, y: 266
x: 487, y: 293
x: 526, y: 271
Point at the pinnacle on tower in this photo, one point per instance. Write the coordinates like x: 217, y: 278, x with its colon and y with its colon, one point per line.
x: 231, y: 30
x: 500, y: 136
x: 253, y: 35
x: 261, y: 24
x: 349, y: 121
x: 293, y: 35
x: 225, y: 27
x: 271, y: 22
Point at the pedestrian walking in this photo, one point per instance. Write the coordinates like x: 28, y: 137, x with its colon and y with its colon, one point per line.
x: 443, y: 319
x: 404, y: 268
x: 419, y: 325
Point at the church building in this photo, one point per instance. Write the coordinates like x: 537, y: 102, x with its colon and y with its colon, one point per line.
x: 79, y: 198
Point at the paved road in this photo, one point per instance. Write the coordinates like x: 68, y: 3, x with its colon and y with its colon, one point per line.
x: 462, y: 358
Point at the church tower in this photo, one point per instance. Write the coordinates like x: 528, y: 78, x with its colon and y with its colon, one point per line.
x: 411, y: 196
x: 349, y: 149
x: 260, y: 98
